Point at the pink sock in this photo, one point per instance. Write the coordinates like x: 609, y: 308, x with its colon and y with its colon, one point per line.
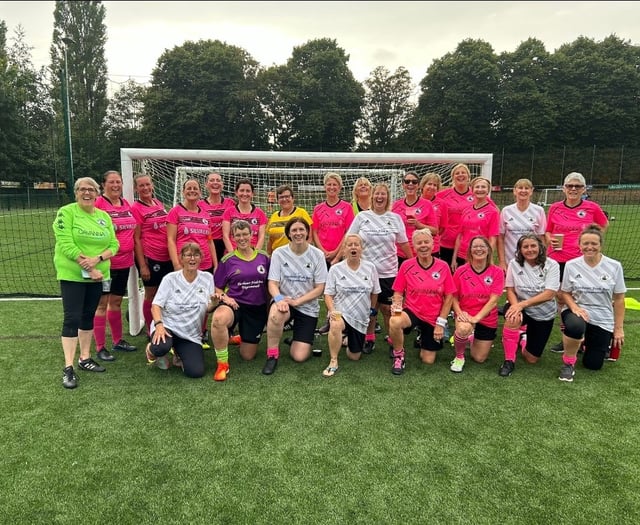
x: 370, y: 337
x: 115, y: 323
x: 273, y: 352
x: 569, y: 360
x: 99, y: 328
x: 460, y: 344
x: 398, y: 353
x: 510, y: 343
x: 146, y: 313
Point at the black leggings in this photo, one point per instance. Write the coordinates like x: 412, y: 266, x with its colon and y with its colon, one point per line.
x: 190, y: 353
x: 79, y: 303
x: 596, y: 339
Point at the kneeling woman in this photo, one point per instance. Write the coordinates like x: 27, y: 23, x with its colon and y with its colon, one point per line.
x: 532, y: 283
x: 592, y: 292
x: 179, y: 308
x: 351, y: 293
x: 243, y: 275
x: 479, y: 285
x: 426, y: 285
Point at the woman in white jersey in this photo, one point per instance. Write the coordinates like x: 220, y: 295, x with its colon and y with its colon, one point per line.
x: 592, y: 293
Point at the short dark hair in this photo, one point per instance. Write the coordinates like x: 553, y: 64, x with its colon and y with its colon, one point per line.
x: 542, y: 250
x: 294, y: 220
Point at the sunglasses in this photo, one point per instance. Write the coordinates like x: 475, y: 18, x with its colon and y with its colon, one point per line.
x: 410, y: 181
x: 573, y: 186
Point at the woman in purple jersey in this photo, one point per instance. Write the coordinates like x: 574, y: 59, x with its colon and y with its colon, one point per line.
x: 592, y: 292
x: 241, y: 285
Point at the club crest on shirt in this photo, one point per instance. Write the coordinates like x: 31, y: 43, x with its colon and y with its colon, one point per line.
x: 582, y: 214
x: 435, y: 276
x: 488, y: 279
x: 261, y: 269
x: 605, y: 277
x: 338, y: 212
x: 102, y: 222
x: 481, y: 215
x: 470, y: 198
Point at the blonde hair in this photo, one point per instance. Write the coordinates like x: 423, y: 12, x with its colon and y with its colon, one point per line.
x: 334, y: 176
x: 430, y: 177
x: 357, y: 183
x: 387, y: 189
x: 459, y: 166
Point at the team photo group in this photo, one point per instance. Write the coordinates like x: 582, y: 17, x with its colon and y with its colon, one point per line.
x: 220, y: 272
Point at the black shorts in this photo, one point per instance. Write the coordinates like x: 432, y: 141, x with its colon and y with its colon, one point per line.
x: 538, y: 332
x: 427, y: 342
x: 119, y: 280
x: 484, y: 333
x: 355, y: 339
x: 220, y: 248
x: 157, y: 271
x: 251, y: 320
x: 386, y: 292
x: 304, y: 326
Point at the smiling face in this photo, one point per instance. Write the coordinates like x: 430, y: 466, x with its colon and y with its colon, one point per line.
x: 191, y: 191
x: 423, y: 245
x: 480, y: 189
x: 410, y: 185
x: 285, y: 200
x: 144, y: 188
x: 590, y: 244
x: 523, y: 192
x: 244, y: 193
x: 429, y: 189
x: 298, y: 233
x: 242, y: 237
x: 214, y: 184
x: 530, y: 250
x: 112, y: 186
x: 573, y: 190
x: 332, y: 189
x: 86, y: 195
x: 380, y: 199
x: 460, y: 177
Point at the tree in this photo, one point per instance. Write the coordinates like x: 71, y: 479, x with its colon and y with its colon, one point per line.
x: 313, y: 102
x: 82, y: 24
x: 204, y: 95
x: 526, y: 114
x: 387, y: 108
x: 457, y: 106
x: 123, y: 123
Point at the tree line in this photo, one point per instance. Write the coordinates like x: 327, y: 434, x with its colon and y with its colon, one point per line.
x: 213, y: 95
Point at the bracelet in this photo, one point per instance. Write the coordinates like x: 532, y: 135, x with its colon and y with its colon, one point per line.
x: 278, y: 298
x: 158, y: 322
x: 373, y: 312
x: 101, y: 257
x: 441, y: 321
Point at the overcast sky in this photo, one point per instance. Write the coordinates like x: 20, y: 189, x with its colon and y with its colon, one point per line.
x: 392, y: 34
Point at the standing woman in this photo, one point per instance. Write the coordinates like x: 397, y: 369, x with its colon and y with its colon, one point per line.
x: 215, y: 205
x: 532, y: 283
x: 179, y: 309
x: 241, y: 286
x: 350, y: 293
x: 361, y: 195
x: 381, y: 231
x: 152, y: 255
x: 331, y: 219
x: 247, y: 211
x: 457, y: 199
x: 277, y: 221
x: 518, y: 219
x: 422, y: 298
x: 592, y: 294
x: 297, y: 276
x: 565, y: 221
x: 85, y: 241
x: 430, y: 185
x: 479, y: 285
x: 416, y: 213
x: 109, y: 308
x: 482, y: 218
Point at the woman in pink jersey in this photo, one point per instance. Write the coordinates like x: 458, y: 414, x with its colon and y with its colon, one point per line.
x: 109, y: 308
x: 215, y: 205
x: 430, y: 185
x: 422, y: 297
x: 331, y: 219
x: 565, y: 221
x: 416, y: 213
x: 479, y: 285
x: 457, y: 199
x: 482, y: 218
x: 152, y: 255
x: 244, y: 210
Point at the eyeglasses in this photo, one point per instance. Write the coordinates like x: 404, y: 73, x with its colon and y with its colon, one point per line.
x: 574, y: 186
x: 86, y: 190
x: 191, y: 255
x: 285, y: 196
x: 409, y: 182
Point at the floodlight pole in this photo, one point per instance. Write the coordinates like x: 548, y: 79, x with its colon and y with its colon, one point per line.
x: 67, y: 117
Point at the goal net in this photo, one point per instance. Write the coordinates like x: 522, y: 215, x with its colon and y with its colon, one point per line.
x: 303, y: 171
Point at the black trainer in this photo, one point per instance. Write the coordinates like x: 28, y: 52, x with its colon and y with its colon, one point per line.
x: 507, y: 368
x: 90, y: 365
x: 378, y: 328
x: 324, y: 329
x: 270, y: 366
x: 69, y: 379
x: 104, y: 355
x: 558, y: 348
x: 123, y: 346
x: 418, y: 342
x: 368, y: 347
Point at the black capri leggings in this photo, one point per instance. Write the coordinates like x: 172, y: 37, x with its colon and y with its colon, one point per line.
x: 596, y: 339
x: 190, y: 353
x: 79, y: 303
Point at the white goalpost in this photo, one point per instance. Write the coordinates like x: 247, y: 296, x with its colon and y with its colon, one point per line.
x: 303, y: 171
